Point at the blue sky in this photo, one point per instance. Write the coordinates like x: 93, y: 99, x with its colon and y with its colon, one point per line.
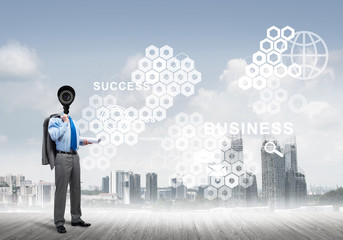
x: 83, y: 41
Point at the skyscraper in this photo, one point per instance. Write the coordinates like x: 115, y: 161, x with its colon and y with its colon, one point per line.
x: 135, y: 188
x: 105, y: 184
x: 151, y: 187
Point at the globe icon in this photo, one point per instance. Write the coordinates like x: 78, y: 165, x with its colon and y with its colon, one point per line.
x: 309, y: 51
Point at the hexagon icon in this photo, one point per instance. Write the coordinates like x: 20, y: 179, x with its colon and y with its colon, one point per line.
x: 266, y: 70
x: 259, y: 107
x: 245, y: 82
x: 109, y: 125
x: 104, y: 136
x: 273, y: 33
x: 173, y: 64
x: 273, y: 82
x: 138, y: 126
x: 194, y: 77
x: 210, y: 144
x: 180, y: 77
x: 159, y: 113
x: 173, y: 89
x: 231, y: 156
x: 131, y: 138
x: 175, y: 131
x: 152, y: 52
x: 202, y: 180
x: 259, y: 58
x: 252, y: 167
x: 88, y: 113
x: 83, y: 125
x: 280, y: 70
x: 246, y: 180
x: 152, y: 77
x: 182, y: 119
x: 117, y: 138
x: 280, y: 45
x: 231, y: 180
x: 88, y: 163
x: 109, y: 100
x: 196, y: 119
x: 189, y: 180
x: 252, y: 70
x: 228, y: 167
x: 167, y: 143
x: 182, y: 168
x: 166, y: 101
x: 217, y: 182
x: 131, y: 113
x: 201, y: 132
x: 294, y: 70
x: 166, y: 77
x: 152, y: 101
x: 216, y: 156
x: 159, y: 89
x: 259, y: 83
x: 266, y: 45
x: 159, y: 64
x: 266, y: 95
x: 124, y: 125
x: 144, y: 64
x: 103, y: 163
x: 138, y: 76
x: 224, y: 193
x: 224, y: 143
x: 273, y: 107
x: 187, y: 64
x: 280, y: 95
x: 145, y: 114
x: 182, y: 143
x: 196, y: 144
x: 95, y: 150
x: 95, y: 101
x: 101, y: 112
x: 287, y: 33
x: 187, y: 89
x: 273, y: 58
x: 110, y: 151
x: 187, y: 156
x: 189, y: 131
x: 210, y: 193
x: 166, y: 52
x: 238, y: 168
x: 95, y: 126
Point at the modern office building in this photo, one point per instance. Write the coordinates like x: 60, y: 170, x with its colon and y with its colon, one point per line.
x: 178, y: 190
x: 105, y: 184
x: 135, y: 188
x: 151, y: 187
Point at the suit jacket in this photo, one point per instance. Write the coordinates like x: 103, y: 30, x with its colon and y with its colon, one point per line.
x: 49, y: 146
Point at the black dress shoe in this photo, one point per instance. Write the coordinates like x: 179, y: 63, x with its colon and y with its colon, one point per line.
x: 61, y: 229
x: 81, y: 224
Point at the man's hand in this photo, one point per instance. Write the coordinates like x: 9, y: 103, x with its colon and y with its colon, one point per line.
x: 65, y: 118
x: 85, y: 142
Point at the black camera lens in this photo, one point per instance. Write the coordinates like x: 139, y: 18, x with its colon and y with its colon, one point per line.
x: 66, y: 97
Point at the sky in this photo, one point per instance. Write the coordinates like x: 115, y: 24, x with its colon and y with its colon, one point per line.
x: 79, y: 42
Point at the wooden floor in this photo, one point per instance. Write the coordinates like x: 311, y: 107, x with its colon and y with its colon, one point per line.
x: 177, y: 225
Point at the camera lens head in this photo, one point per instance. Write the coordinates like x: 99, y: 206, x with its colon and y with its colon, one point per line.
x: 66, y: 96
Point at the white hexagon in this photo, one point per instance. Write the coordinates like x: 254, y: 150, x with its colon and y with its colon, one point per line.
x: 189, y: 131
x: 95, y: 101
x: 137, y: 76
x: 88, y: 113
x: 110, y: 100
x: 196, y: 144
x: 109, y: 125
x: 124, y: 125
x: 252, y: 167
x: 166, y: 52
x: 210, y: 193
x: 167, y: 143
x: 224, y: 143
x: 196, y: 119
x: 246, y: 180
x: 224, y: 193
x: 294, y: 70
x: 159, y: 64
x: 173, y: 89
x: 245, y: 82
x: 280, y: 70
x: 152, y: 77
x: 187, y: 89
x: 273, y: 107
x: 159, y: 113
x: 182, y: 168
x: 194, y: 77
x: 100, y: 112
x: 231, y: 180
x: 166, y: 101
x: 252, y: 70
x: 273, y: 82
x: 210, y: 143
x: 189, y: 180
x: 259, y: 83
x: 131, y: 113
x: 217, y: 182
x: 104, y: 136
x: 117, y: 138
x: 152, y: 101
x: 182, y: 144
x: 144, y: 64
x: 238, y: 168
x: 187, y: 64
x: 181, y: 119
x: 95, y: 126
x: 280, y: 45
x: 201, y: 132
x: 159, y: 89
x: 259, y: 58
x: 259, y: 107
x: 83, y: 125
x: 88, y: 163
x: 188, y: 156
x: 180, y: 77
x: 228, y: 167
x: 273, y: 33
x: 110, y: 151
x: 173, y: 64
x: 202, y: 180
x: 95, y: 150
x: 145, y: 114
x: 231, y: 156
x: 287, y: 33
x: 166, y: 77
x: 152, y: 52
x: 273, y: 58
x: 117, y: 113
x: 138, y: 126
x: 175, y: 131
x: 280, y: 95
x: 266, y: 70
x: 103, y: 163
x: 131, y: 138
x: 266, y: 45
x: 266, y: 95
x: 216, y: 156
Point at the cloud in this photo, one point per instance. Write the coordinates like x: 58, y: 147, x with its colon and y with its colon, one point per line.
x: 18, y: 60
x: 235, y: 69
x: 3, y: 139
x: 131, y: 65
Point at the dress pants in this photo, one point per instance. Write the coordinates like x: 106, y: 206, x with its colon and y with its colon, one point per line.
x: 67, y: 171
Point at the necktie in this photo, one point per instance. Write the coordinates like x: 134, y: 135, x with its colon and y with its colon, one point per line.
x: 73, y: 139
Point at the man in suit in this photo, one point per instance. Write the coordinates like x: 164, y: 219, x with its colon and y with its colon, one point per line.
x: 66, y: 134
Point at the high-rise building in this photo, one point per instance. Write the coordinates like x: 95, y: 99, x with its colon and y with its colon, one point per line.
x: 105, y: 184
x: 178, y: 190
x: 135, y: 188
x: 151, y: 187
x: 45, y: 193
